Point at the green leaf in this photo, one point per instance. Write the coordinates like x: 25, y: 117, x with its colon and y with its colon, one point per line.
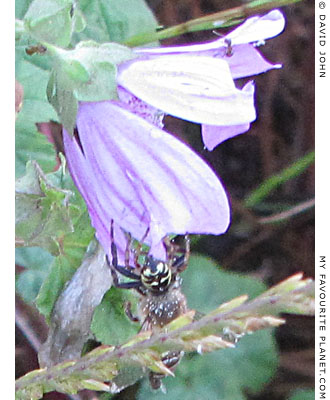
x: 33, y: 79
x: 79, y: 21
x: 43, y: 215
x: 87, y: 73
x: 50, y: 21
x: 110, y: 325
x: 89, y: 70
x: 64, y: 102
x: 61, y: 271
x: 115, y: 21
x: 30, y: 144
x: 112, y: 53
x: 104, y: 86
x: 228, y: 373
x: 37, y: 264
x: 21, y: 7
x: 64, y: 266
x: 206, y: 286
x: 76, y: 71
x: 51, y: 214
x: 100, y: 61
x: 62, y: 180
x: 73, y: 243
x: 40, y: 9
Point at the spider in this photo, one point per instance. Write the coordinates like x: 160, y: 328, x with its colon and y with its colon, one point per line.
x: 159, y: 286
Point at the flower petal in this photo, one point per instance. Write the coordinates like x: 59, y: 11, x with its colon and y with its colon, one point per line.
x: 214, y: 135
x: 84, y: 179
x: 254, y: 29
x: 246, y: 60
x: 132, y: 172
x: 257, y: 28
x: 140, y: 108
x: 195, y: 88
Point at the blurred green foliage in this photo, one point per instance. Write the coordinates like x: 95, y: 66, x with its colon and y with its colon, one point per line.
x: 36, y: 262
x: 301, y: 394
x: 30, y: 144
x: 115, y: 21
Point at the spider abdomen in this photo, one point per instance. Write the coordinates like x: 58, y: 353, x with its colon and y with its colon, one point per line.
x: 157, y: 311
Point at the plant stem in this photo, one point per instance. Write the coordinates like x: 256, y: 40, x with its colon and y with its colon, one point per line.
x: 294, y: 295
x: 276, y: 180
x: 213, y: 21
x: 291, y: 212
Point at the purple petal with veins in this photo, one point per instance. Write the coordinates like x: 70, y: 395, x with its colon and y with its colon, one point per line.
x: 139, y: 107
x: 130, y: 171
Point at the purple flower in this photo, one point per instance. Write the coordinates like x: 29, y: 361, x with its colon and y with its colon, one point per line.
x: 195, y: 82
x: 244, y: 59
x: 130, y: 171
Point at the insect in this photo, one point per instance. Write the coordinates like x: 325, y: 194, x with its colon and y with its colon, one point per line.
x: 159, y: 286
x: 229, y: 49
x: 40, y: 49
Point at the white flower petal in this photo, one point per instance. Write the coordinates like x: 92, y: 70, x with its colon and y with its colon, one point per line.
x: 258, y: 28
x: 254, y: 29
x: 198, y: 89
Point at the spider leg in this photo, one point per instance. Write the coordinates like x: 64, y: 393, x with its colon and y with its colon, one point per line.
x: 128, y: 249
x: 123, y: 285
x: 128, y: 312
x: 170, y: 249
x: 114, y: 267
x: 113, y: 248
x: 170, y: 360
x: 178, y: 263
x: 139, y: 247
x: 186, y: 254
x: 146, y: 324
x: 126, y: 285
x: 125, y: 272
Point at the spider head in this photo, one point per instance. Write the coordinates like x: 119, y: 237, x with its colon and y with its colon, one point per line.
x: 156, y: 275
